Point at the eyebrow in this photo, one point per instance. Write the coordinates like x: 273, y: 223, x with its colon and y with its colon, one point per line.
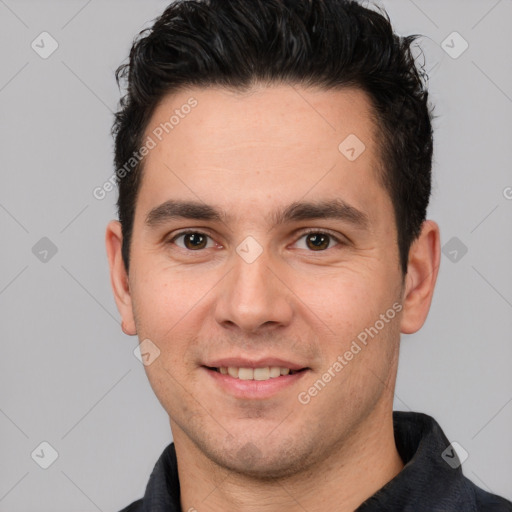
x: 296, y: 211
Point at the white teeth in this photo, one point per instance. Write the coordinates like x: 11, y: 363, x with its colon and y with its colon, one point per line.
x: 245, y: 373
x: 275, y: 371
x: 262, y: 373
x: 265, y: 373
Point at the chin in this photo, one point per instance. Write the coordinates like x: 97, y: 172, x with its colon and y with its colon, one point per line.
x: 261, y: 461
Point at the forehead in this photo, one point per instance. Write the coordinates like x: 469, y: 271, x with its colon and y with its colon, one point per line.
x: 278, y: 142
x: 273, y: 116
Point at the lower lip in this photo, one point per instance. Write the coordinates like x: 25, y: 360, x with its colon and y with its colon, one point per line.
x: 254, y: 389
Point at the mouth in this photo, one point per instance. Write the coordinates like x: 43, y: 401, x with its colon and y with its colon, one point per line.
x: 260, y: 373
x: 254, y: 380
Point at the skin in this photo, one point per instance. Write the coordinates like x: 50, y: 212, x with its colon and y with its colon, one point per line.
x: 252, y: 154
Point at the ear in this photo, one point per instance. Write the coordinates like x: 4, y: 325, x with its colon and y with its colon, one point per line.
x: 119, y: 277
x: 422, y: 270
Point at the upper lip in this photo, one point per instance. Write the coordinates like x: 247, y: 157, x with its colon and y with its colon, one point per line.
x: 242, y: 362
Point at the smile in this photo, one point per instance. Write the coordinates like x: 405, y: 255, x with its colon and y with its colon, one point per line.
x: 253, y: 383
x: 263, y: 373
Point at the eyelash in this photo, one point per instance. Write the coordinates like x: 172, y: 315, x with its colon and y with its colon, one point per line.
x: 302, y: 234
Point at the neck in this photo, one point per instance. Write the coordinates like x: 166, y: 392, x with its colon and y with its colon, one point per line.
x: 354, y: 472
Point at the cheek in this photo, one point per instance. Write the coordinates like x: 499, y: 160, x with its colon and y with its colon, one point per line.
x: 162, y: 301
x: 166, y: 309
x: 346, y: 300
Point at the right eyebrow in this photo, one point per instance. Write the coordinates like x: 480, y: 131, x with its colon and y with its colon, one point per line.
x: 170, y: 210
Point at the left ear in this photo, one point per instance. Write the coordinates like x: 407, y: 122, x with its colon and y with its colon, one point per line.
x: 422, y: 270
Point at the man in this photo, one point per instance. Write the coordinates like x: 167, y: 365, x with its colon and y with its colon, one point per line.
x: 274, y: 163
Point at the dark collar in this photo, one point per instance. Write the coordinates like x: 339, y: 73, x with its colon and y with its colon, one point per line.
x: 431, y: 481
x: 432, y: 477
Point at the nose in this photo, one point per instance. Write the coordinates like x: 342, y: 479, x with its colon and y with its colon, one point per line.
x: 254, y: 296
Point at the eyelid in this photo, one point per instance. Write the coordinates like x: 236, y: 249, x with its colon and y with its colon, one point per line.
x: 339, y: 241
x: 339, y: 238
x: 189, y: 231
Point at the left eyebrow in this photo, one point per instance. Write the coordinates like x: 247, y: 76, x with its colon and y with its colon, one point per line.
x: 294, y: 212
x: 333, y: 209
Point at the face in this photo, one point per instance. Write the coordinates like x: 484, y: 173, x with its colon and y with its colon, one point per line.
x: 287, y: 260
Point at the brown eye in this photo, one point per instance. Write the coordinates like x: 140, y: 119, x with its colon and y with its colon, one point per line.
x: 319, y: 241
x: 192, y: 240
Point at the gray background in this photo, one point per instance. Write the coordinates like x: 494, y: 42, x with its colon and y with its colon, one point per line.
x: 68, y: 375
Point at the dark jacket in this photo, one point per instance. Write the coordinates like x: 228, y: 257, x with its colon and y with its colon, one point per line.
x: 431, y: 481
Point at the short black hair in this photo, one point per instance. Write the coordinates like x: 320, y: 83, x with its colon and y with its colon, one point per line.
x: 312, y: 43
